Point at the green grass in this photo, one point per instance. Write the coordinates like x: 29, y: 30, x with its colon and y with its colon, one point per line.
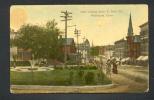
x: 56, y: 77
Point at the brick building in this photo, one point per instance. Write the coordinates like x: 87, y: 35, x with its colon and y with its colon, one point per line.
x: 70, y: 46
x: 70, y: 49
x: 133, y: 42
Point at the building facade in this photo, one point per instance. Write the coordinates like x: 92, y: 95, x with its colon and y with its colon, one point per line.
x: 120, y: 48
x: 70, y: 49
x: 108, y: 51
x: 70, y: 46
x: 84, y: 51
x: 133, y: 42
x: 144, y: 35
x: 101, y: 50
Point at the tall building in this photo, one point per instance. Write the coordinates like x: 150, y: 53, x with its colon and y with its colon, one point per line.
x: 130, y: 39
x: 120, y: 48
x: 108, y: 52
x: 101, y: 50
x: 144, y: 35
x: 133, y: 42
x: 144, y: 48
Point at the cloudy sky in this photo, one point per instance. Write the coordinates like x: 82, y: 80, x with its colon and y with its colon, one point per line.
x: 102, y: 24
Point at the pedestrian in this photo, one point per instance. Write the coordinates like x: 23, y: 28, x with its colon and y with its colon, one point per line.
x: 101, y: 63
x: 114, y: 69
x: 108, y: 68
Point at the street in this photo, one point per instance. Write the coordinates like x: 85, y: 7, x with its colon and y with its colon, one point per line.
x: 130, y: 79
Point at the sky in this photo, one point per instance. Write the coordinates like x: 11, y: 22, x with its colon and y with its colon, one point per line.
x: 100, y: 24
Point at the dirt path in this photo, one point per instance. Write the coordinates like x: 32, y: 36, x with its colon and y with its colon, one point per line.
x: 133, y: 78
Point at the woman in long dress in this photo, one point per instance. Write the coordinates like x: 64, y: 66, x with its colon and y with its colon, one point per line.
x: 108, y: 68
x: 114, y: 69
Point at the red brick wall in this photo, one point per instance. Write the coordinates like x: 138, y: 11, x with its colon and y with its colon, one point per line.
x: 133, y: 49
x: 69, y: 49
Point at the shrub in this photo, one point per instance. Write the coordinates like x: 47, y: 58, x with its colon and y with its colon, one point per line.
x: 89, y: 78
x: 70, y: 77
x: 100, y: 76
x: 20, y: 63
x: 58, y: 67
x: 92, y: 67
x: 80, y: 67
x: 81, y: 73
x: 71, y: 62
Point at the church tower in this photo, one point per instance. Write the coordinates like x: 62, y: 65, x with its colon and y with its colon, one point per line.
x: 130, y: 27
x: 130, y: 39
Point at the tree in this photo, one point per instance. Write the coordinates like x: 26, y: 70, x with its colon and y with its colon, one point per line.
x: 51, y: 25
x: 89, y: 78
x: 55, y: 42
x: 43, y: 41
x: 30, y: 38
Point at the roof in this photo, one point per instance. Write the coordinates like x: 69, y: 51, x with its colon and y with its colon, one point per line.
x: 143, y: 24
x: 119, y: 41
x: 130, y: 27
x: 69, y: 41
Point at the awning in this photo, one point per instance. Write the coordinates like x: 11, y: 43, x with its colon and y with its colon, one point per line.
x: 127, y: 59
x: 117, y: 59
x: 140, y: 58
x: 123, y: 60
x: 145, y: 58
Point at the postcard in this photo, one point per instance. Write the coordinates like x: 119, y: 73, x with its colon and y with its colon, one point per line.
x: 79, y: 48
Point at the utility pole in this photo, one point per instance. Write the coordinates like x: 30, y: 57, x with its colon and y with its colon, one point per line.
x: 76, y: 32
x: 84, y: 50
x: 66, y: 17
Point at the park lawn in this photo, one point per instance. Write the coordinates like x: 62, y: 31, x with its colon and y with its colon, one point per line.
x: 57, y: 77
